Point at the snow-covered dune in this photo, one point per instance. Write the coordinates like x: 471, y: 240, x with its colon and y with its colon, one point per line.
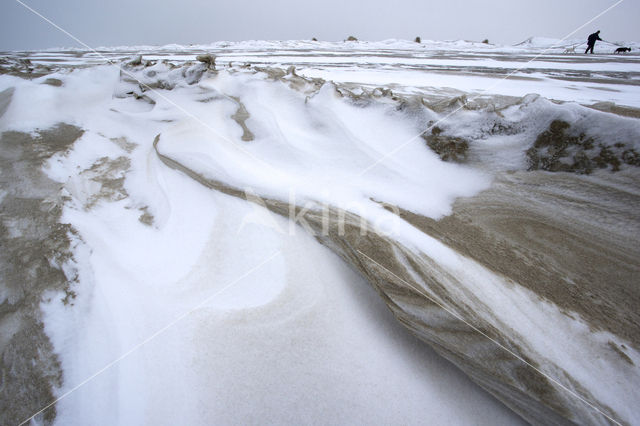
x: 243, y: 242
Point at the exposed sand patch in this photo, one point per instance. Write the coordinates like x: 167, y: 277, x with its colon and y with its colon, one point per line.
x: 34, y: 247
x: 571, y: 239
x: 241, y: 116
x: 109, y: 174
x: 616, y: 109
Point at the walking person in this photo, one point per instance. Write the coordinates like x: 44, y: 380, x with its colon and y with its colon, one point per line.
x: 591, y: 41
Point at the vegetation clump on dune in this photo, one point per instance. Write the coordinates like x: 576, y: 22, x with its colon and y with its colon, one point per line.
x: 558, y: 150
x: 449, y: 148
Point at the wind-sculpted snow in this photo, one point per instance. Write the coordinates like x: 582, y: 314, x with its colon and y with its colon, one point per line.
x: 404, y: 259
x: 195, y: 190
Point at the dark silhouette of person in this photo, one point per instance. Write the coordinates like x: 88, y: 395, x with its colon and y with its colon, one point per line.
x: 591, y: 41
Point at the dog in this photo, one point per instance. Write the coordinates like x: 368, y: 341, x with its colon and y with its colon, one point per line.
x: 622, y: 50
x: 570, y: 50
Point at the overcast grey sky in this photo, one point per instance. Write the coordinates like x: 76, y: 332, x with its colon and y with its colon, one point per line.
x: 134, y: 22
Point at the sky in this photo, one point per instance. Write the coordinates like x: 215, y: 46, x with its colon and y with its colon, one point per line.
x: 158, y: 22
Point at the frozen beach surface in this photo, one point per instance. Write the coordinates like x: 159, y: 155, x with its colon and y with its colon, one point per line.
x: 314, y: 232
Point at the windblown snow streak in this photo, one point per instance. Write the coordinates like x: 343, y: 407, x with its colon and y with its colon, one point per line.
x: 499, y: 229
